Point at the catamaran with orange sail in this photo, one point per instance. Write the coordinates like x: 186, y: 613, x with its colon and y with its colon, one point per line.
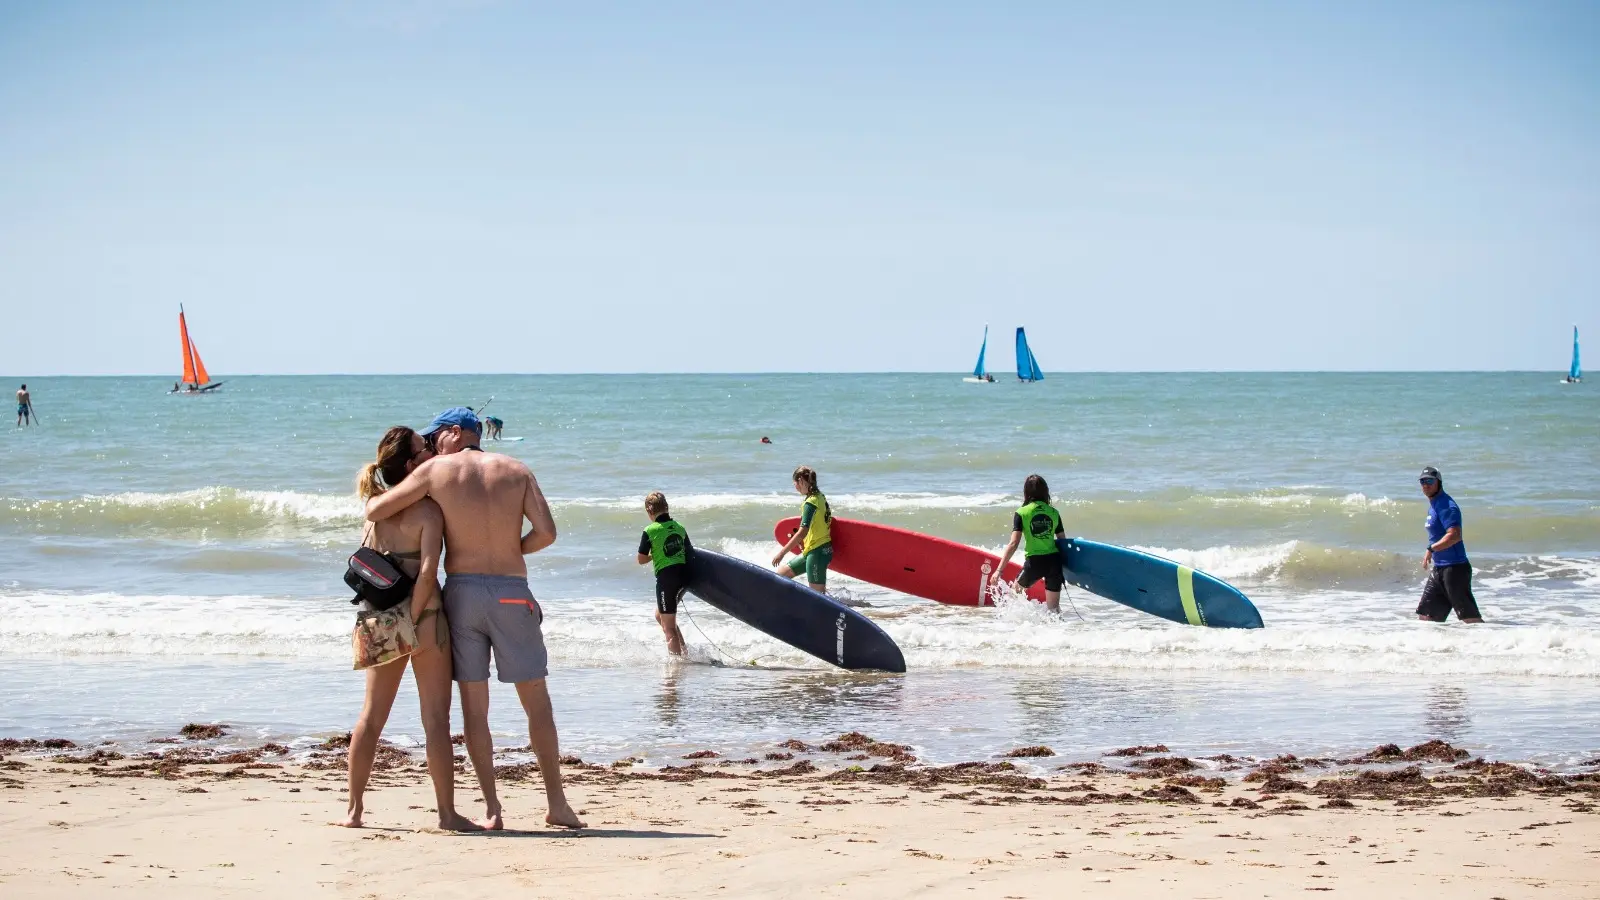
x: 195, y: 378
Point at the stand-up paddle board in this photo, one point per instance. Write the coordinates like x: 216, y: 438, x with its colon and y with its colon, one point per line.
x: 917, y: 564
x: 793, y: 613
x: 1157, y: 586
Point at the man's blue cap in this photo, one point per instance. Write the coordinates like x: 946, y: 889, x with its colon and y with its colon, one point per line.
x: 455, y: 415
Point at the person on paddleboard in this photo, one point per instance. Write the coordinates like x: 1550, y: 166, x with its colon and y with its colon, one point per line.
x: 814, y: 541
x: 493, y: 427
x: 666, y: 544
x: 24, y: 407
x: 1037, y: 527
x: 1449, y: 583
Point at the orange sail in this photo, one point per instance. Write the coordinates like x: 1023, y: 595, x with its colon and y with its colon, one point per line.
x: 189, y: 357
x: 199, y: 367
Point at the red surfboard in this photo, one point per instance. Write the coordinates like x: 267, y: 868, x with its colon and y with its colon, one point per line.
x: 917, y: 564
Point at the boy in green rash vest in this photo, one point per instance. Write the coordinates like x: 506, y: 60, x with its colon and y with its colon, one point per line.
x: 666, y: 544
x: 814, y: 540
x: 1036, y: 526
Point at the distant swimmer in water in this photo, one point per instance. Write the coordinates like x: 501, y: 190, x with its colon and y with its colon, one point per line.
x: 765, y: 439
x: 1449, y: 573
x: 814, y: 540
x: 1037, y: 526
x: 24, y: 407
x: 666, y: 545
x: 492, y: 428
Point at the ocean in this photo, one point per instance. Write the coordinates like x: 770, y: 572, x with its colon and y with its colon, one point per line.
x: 168, y: 559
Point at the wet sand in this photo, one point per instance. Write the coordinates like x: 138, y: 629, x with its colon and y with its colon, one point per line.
x: 826, y: 819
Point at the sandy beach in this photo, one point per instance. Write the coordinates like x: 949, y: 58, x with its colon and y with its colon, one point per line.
x: 830, y: 819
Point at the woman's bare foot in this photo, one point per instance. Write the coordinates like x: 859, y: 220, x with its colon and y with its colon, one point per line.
x: 454, y: 821
x: 492, y: 822
x: 353, y: 820
x: 564, y: 817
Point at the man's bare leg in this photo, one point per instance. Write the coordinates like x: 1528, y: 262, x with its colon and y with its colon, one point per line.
x: 669, y: 628
x: 480, y: 747
x: 383, y: 682
x: 547, y: 747
x: 432, y: 670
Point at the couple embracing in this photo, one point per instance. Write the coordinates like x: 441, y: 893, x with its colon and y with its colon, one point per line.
x: 435, y: 491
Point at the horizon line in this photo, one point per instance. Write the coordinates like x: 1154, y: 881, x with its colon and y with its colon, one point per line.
x: 998, y: 378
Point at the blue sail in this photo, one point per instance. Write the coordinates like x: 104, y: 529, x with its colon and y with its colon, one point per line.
x: 1576, y: 372
x: 977, y: 371
x: 1027, y: 366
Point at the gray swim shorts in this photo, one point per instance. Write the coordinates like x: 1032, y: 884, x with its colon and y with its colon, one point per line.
x: 499, y: 612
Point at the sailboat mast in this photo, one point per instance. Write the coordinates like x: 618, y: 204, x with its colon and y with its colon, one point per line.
x: 188, y: 348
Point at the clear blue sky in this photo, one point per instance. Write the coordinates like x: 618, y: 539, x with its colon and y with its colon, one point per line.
x: 370, y: 186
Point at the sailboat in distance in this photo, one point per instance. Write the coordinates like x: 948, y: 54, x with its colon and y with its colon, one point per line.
x: 1575, y: 372
x: 980, y: 375
x: 1027, y: 366
x: 195, y: 378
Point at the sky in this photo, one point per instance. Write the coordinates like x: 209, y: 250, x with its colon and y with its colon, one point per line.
x: 356, y: 186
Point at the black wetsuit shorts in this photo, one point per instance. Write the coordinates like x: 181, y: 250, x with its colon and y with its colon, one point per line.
x: 1047, y: 567
x: 671, y: 582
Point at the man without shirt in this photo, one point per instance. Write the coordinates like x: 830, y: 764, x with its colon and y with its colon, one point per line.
x: 24, y: 407
x: 485, y: 497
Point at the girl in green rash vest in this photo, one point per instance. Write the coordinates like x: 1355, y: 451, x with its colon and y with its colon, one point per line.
x: 814, y: 540
x: 1037, y: 526
x: 666, y: 544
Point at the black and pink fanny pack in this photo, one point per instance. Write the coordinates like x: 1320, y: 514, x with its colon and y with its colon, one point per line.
x: 377, y: 579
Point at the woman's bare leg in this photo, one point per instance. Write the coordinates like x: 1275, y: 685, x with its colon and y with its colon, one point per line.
x: 382, y: 684
x: 434, y: 687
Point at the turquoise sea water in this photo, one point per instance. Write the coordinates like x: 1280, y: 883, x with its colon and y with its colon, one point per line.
x: 167, y: 558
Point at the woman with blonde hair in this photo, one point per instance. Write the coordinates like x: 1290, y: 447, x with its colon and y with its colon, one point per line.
x: 414, y: 630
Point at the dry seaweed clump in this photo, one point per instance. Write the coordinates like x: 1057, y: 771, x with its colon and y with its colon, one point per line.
x: 1028, y: 752
x: 856, y: 742
x: 702, y: 754
x: 1162, y: 766
x: 1170, y: 793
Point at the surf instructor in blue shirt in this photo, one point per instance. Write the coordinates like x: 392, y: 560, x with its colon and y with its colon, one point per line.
x: 1449, y: 573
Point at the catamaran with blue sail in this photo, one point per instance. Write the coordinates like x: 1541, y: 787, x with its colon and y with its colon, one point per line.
x: 1027, y: 366
x: 980, y: 375
x: 1575, y: 373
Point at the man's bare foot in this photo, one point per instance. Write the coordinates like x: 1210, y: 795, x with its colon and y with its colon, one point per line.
x: 353, y: 820
x: 454, y: 821
x: 564, y: 817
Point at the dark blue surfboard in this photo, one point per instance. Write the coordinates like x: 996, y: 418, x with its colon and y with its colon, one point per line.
x: 1156, y: 586
x: 793, y: 613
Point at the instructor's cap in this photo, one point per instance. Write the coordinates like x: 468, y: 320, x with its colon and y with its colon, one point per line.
x: 1431, y: 472
x: 458, y: 416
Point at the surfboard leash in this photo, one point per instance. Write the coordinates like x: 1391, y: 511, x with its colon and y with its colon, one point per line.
x: 725, y: 654
x: 1073, y: 605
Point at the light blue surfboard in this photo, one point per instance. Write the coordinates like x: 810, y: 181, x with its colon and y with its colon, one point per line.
x: 1156, y: 586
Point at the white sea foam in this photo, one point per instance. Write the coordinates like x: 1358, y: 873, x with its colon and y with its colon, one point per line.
x: 1350, y: 633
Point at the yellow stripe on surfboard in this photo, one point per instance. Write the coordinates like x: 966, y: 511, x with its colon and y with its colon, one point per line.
x: 1191, y: 610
